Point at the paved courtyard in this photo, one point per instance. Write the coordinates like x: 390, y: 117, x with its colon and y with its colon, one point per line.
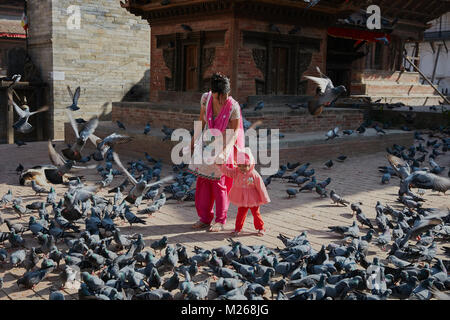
x: 356, y: 179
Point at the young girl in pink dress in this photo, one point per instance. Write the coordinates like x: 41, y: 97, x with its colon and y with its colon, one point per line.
x: 248, y: 191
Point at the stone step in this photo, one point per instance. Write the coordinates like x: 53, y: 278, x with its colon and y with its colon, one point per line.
x: 381, y: 88
x: 293, y: 147
x: 387, y: 76
x: 313, y: 145
x: 410, y: 100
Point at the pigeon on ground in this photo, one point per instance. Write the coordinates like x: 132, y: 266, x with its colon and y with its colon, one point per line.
x: 337, y: 199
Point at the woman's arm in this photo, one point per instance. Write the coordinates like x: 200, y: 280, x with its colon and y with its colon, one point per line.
x: 234, y: 125
x: 202, y: 119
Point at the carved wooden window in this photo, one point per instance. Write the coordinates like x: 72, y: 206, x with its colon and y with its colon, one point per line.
x: 188, y: 56
x: 282, y: 59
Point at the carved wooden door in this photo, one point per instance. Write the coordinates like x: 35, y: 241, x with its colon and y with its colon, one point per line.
x: 191, y: 65
x: 279, y: 70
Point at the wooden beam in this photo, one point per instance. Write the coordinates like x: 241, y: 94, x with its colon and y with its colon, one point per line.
x: 427, y: 80
x: 436, y: 62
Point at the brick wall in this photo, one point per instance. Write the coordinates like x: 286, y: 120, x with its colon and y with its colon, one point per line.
x: 286, y: 121
x: 107, y: 56
x: 246, y: 69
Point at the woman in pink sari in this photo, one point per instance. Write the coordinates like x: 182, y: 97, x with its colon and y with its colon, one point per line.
x: 221, y: 112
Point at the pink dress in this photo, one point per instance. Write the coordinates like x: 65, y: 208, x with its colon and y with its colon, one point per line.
x: 248, y: 189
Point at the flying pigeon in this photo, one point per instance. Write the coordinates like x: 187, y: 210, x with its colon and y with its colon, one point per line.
x: 22, y: 124
x: 327, y: 93
x: 75, y: 97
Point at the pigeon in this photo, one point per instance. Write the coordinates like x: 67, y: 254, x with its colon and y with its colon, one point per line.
x: 379, y: 130
x: 7, y: 198
x: 75, y: 97
x: 274, y: 28
x: 15, y: 79
x: 386, y: 178
x: 200, y: 291
x: 329, y: 164
x: 38, y: 189
x: 333, y: 133
x: 337, y: 199
x: 321, y: 191
x: 341, y: 158
x: 140, y: 188
x: 31, y: 278
x: 312, y: 3
x: 131, y: 218
x: 363, y: 219
x: 147, y: 128
x: 74, y: 152
x: 160, y: 244
x: 327, y: 93
x: 24, y: 114
x: 291, y: 192
x: 120, y: 125
x: 20, y: 143
x: 259, y: 106
x: 186, y: 27
x: 295, y: 30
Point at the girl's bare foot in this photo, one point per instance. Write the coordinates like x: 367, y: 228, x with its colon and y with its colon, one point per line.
x: 235, y: 233
x: 261, y: 233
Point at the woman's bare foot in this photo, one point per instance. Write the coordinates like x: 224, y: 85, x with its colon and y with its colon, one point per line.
x: 200, y: 225
x: 216, y: 227
x: 235, y: 233
x: 261, y: 233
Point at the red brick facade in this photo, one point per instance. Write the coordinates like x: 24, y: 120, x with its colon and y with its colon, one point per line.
x: 237, y: 63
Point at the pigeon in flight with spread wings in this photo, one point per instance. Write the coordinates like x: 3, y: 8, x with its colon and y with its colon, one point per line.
x: 24, y: 113
x: 326, y: 95
x: 102, y: 146
x: 75, y: 97
x: 139, y: 188
x: 74, y: 153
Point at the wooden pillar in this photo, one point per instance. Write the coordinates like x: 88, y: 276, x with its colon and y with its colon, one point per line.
x: 234, y: 49
x: 9, y: 117
x: 40, y: 120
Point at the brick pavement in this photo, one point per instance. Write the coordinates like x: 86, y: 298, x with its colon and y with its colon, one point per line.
x: 357, y: 179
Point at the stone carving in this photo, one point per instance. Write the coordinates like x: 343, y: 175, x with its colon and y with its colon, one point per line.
x: 169, y: 60
x: 208, y: 57
x: 260, y: 58
x: 303, y: 62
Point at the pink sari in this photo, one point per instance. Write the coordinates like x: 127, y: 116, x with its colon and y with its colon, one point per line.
x: 221, y: 123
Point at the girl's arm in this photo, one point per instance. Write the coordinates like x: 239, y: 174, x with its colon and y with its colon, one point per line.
x: 229, y: 172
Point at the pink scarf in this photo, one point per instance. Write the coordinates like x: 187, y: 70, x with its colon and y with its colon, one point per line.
x: 222, y: 119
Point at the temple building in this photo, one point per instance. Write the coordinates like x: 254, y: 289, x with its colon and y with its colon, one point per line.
x: 267, y: 46
x: 12, y: 35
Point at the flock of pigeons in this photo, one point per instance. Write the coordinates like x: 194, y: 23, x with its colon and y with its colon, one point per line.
x: 108, y: 264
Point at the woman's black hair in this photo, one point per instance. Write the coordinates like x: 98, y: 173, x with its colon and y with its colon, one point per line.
x: 220, y: 83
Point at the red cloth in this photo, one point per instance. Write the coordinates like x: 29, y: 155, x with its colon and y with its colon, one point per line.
x: 356, y: 34
x: 242, y: 214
